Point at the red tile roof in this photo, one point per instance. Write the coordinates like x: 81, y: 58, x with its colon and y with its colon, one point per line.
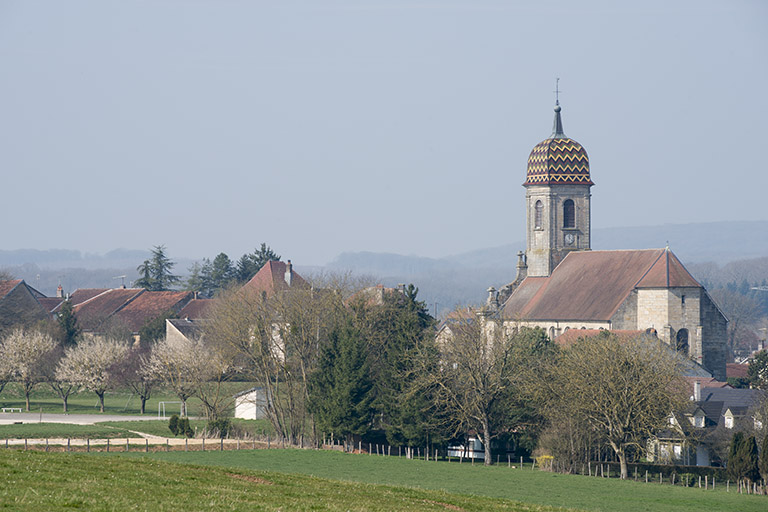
x: 571, y: 336
x: 150, y: 305
x: 92, y: 312
x: 7, y: 286
x: 196, y: 309
x: 736, y: 370
x: 50, y: 303
x: 591, y: 285
x: 271, y: 279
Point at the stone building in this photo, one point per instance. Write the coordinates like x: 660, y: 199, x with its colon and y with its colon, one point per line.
x: 562, y: 284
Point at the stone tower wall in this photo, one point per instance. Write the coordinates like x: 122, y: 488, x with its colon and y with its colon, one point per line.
x: 547, y: 244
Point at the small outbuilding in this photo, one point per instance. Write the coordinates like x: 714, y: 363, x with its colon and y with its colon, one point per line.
x: 251, y: 404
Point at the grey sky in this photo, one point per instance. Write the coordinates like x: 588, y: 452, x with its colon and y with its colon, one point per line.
x: 325, y: 126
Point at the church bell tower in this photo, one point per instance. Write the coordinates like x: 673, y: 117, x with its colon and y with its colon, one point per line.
x: 557, y: 194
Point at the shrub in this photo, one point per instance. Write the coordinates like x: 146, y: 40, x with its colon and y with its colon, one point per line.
x: 222, y: 426
x: 184, y: 428
x: 173, y: 424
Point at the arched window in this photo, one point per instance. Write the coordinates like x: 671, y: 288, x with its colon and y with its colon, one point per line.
x: 569, y: 214
x: 682, y: 341
x: 538, y: 215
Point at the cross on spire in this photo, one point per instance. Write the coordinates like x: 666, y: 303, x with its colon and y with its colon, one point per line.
x: 557, y: 91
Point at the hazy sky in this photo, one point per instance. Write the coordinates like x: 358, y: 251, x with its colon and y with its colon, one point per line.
x: 327, y: 126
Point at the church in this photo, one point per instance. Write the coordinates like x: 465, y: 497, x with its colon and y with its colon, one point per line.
x: 562, y: 284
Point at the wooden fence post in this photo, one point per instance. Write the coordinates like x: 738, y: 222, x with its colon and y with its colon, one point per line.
x: 146, y: 445
x: 107, y: 445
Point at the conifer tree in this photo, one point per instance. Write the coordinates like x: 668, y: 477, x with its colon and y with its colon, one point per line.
x: 70, y: 332
x: 735, y: 463
x: 749, y: 456
x: 763, y: 463
x: 341, y: 389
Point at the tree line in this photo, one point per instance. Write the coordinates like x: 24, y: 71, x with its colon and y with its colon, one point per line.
x: 337, y: 360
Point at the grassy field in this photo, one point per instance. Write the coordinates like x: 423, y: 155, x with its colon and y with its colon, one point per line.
x: 35, y: 481
x: 62, y: 430
x: 536, y: 487
x: 115, y: 402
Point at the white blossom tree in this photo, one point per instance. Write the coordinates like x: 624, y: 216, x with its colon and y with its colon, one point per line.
x: 24, y: 354
x: 190, y: 368
x: 88, y: 364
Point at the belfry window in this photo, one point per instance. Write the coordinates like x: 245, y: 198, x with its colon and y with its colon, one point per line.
x: 569, y: 214
x: 682, y: 341
x: 538, y: 215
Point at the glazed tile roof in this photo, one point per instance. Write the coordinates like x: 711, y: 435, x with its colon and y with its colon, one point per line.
x: 271, y: 279
x: 591, y: 285
x: 558, y: 161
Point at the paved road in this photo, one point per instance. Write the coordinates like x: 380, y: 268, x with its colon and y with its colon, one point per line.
x: 79, y: 419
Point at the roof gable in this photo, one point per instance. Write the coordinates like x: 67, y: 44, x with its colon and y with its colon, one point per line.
x: 667, y: 272
x: 270, y: 279
x: 7, y: 286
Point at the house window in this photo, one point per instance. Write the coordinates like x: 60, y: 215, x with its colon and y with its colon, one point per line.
x: 729, y: 421
x: 700, y: 421
x: 569, y: 214
x: 682, y: 341
x: 538, y: 215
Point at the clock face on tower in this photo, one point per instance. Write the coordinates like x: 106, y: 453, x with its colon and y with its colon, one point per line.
x: 570, y: 238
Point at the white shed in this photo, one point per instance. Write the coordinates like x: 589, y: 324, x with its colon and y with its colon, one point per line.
x: 251, y: 404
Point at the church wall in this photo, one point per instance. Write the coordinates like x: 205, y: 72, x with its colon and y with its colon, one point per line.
x: 653, y: 310
x: 713, y: 337
x: 625, y: 317
x: 554, y: 328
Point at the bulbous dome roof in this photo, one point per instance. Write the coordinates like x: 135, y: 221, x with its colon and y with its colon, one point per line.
x: 558, y: 160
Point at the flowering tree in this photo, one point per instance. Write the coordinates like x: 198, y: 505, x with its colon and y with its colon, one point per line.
x: 24, y: 354
x: 88, y: 364
x: 190, y: 367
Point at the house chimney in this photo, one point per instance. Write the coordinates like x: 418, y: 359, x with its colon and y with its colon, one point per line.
x: 288, y: 272
x: 401, y: 288
x: 697, y: 391
x: 59, y: 292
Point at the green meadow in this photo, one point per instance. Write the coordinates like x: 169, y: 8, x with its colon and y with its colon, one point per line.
x: 522, y: 485
x: 37, y: 481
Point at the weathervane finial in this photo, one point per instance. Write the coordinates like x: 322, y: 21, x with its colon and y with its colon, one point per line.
x: 557, y: 91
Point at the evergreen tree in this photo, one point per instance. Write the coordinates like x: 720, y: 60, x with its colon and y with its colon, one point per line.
x: 195, y: 280
x: 758, y: 370
x: 222, y: 273
x: 341, y: 391
x: 156, y: 272
x: 750, y: 461
x: 735, y: 464
x: 249, y: 264
x: 70, y: 332
x: 403, y: 328
x: 763, y: 463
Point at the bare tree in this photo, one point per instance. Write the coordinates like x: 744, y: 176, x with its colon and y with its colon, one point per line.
x: 743, y: 313
x: 484, y: 372
x: 25, y: 353
x: 191, y: 367
x: 62, y: 388
x: 624, y: 389
x: 132, y: 372
x: 88, y: 365
x: 277, y: 339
